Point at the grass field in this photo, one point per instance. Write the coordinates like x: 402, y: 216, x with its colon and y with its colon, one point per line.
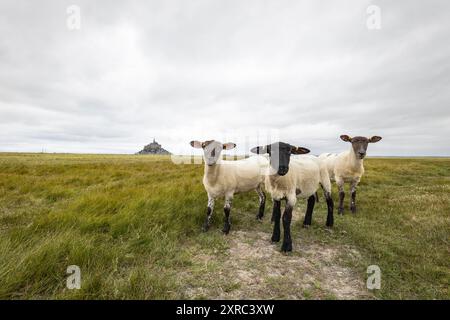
x: 132, y: 224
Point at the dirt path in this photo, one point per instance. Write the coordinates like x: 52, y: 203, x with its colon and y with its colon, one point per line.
x: 252, y: 268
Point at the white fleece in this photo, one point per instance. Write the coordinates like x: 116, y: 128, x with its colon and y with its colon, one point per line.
x: 302, y: 180
x: 343, y: 167
x: 226, y: 178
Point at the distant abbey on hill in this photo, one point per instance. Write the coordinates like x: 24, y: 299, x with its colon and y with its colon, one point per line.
x: 153, y: 148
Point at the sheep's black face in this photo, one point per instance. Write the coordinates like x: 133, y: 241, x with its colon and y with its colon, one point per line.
x: 360, y: 144
x: 280, y: 155
x: 212, y: 150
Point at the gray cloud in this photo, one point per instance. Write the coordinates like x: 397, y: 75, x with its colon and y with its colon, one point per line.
x: 305, y: 71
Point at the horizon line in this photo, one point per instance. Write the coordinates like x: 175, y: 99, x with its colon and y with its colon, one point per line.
x: 190, y: 155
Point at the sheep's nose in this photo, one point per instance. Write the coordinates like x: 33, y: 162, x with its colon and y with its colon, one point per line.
x: 282, y: 170
x: 362, y: 154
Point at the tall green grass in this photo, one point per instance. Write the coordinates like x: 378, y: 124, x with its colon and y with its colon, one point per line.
x: 132, y: 224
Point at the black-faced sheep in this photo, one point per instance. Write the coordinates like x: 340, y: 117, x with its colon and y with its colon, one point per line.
x: 291, y: 177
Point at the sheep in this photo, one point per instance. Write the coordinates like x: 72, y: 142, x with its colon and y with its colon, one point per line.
x: 224, y: 178
x: 348, y: 166
x: 288, y: 178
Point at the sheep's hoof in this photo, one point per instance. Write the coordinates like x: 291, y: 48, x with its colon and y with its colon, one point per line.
x: 306, y: 226
x: 205, y: 227
x: 259, y: 217
x: 353, y: 209
x: 286, y: 247
x: 226, y: 229
x: 341, y: 211
x: 275, y: 238
x: 329, y: 224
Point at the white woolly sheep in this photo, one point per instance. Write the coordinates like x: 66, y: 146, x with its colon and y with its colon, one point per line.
x: 288, y: 178
x: 224, y: 178
x: 348, y: 166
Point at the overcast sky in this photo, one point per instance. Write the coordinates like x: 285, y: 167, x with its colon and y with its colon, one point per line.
x: 303, y: 72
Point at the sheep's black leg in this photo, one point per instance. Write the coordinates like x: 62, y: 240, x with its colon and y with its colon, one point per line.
x: 309, y: 211
x: 287, y: 217
x: 209, y: 212
x: 353, y: 193
x: 316, y: 195
x: 276, y: 215
x: 272, y: 219
x: 330, y: 207
x: 226, y: 211
x: 341, y: 202
x: 353, y: 203
x: 262, y: 203
x: 341, y: 197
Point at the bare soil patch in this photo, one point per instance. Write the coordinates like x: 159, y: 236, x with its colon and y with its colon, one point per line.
x: 253, y: 268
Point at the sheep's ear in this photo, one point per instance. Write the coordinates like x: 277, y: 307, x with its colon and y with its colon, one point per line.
x: 346, y: 138
x: 299, y: 150
x: 374, y: 139
x: 259, y: 150
x: 196, y: 144
x: 229, y: 146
